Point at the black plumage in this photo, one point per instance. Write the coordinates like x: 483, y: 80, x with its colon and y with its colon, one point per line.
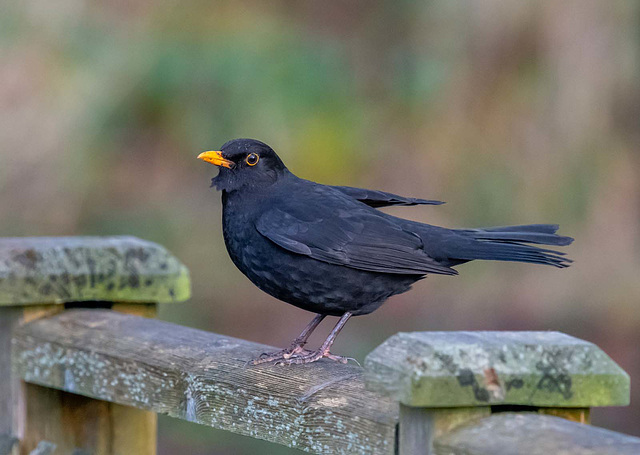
x: 327, y: 249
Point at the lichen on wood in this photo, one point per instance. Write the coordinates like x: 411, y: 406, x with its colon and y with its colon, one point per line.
x: 69, y: 269
x: 451, y: 369
x: 204, y: 377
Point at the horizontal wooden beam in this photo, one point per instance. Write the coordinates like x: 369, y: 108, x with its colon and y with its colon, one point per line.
x: 203, y: 377
x: 533, y: 434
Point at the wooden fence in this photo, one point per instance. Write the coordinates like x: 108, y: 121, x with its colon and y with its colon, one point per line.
x: 85, y: 369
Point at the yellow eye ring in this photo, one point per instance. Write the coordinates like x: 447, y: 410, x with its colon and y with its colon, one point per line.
x: 252, y: 159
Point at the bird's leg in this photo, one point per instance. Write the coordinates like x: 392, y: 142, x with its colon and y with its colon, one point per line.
x: 297, y: 346
x: 323, y: 351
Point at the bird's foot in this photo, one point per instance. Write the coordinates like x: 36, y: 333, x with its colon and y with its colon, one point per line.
x: 285, y: 354
x: 312, y: 356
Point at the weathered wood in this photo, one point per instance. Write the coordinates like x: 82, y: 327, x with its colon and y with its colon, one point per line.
x: 133, y: 430
x: 145, y: 310
x: 11, y: 405
x: 419, y: 427
x: 533, y: 434
x: 76, y: 423
x: 9, y: 318
x: 75, y: 269
x: 450, y: 369
x: 73, y: 422
x: 45, y: 448
x: 36, y: 273
x: 203, y: 377
x: 580, y: 415
x: 8, y: 445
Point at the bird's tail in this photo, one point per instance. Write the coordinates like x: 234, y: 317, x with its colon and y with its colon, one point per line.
x: 509, y: 243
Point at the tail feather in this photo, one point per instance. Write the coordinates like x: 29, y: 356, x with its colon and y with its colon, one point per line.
x: 542, y: 228
x: 540, y: 234
x: 509, y: 243
x: 515, y: 252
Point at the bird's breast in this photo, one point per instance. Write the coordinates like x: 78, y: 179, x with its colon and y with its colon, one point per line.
x: 244, y: 243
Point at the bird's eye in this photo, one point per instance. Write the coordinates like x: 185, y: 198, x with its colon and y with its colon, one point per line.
x: 252, y: 159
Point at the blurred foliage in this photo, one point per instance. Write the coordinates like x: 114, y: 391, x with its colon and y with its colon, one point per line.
x: 516, y: 112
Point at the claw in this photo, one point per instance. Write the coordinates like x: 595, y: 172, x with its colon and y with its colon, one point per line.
x: 357, y: 363
x: 312, y: 356
x: 294, y: 351
x: 336, y: 358
x: 297, y: 355
x: 284, y: 354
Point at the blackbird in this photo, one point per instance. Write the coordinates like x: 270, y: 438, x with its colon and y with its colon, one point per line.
x: 328, y: 250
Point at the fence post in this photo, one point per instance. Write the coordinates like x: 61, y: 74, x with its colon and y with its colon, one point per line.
x: 443, y: 379
x: 42, y: 276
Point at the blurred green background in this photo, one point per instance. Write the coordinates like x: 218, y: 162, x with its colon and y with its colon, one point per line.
x: 513, y: 112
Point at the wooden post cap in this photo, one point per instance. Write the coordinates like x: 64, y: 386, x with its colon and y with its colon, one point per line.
x: 453, y: 369
x: 37, y: 270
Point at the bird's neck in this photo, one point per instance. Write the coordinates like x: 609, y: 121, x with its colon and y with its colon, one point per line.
x: 257, y: 191
x: 241, y: 199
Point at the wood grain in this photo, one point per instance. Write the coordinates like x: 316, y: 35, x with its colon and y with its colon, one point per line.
x: 203, y: 377
x: 73, y: 422
x: 9, y: 318
x: 420, y: 426
x: 11, y: 403
x: 77, y: 424
x: 533, y: 434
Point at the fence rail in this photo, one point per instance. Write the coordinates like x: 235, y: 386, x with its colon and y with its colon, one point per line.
x: 92, y: 380
x: 202, y: 377
x: 533, y: 434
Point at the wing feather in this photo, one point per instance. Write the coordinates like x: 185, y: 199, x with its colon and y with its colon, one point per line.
x: 357, y: 238
x: 377, y: 199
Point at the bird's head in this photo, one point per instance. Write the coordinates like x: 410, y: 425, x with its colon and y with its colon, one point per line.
x: 245, y: 163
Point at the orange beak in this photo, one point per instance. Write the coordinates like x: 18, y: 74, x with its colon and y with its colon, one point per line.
x: 216, y: 158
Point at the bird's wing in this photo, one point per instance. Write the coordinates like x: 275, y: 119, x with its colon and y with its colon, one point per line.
x: 354, y: 237
x: 378, y: 199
